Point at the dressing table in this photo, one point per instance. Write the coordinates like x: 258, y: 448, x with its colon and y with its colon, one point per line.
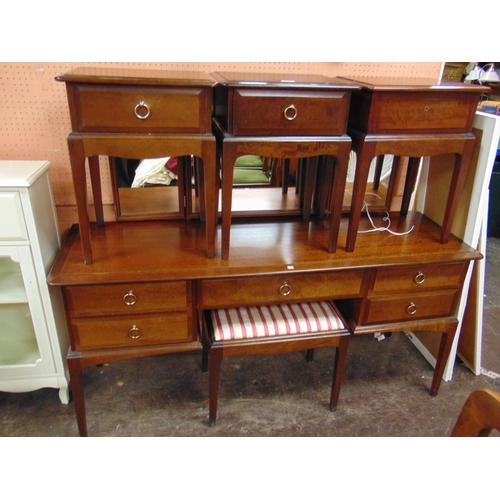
x: 141, y: 288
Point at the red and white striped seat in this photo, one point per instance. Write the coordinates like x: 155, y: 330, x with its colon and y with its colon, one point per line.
x: 269, y: 321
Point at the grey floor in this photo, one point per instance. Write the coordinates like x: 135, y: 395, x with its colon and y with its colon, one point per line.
x: 385, y: 392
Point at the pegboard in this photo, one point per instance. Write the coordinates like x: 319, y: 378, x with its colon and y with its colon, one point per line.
x: 35, y: 122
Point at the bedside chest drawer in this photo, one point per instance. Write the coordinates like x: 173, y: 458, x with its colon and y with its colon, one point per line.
x: 12, y: 226
x: 409, y: 307
x: 130, y: 331
x: 131, y: 108
x: 289, y: 112
x: 419, y: 278
x: 280, y: 288
x: 107, y: 300
x: 415, y: 112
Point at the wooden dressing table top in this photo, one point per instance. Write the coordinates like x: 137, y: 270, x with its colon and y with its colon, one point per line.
x: 154, y: 251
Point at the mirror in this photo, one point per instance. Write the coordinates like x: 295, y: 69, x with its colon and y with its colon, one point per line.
x: 148, y: 189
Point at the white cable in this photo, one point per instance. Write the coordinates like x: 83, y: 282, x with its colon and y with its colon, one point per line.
x: 382, y: 228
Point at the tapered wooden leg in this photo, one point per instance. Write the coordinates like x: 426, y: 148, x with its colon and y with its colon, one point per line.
x: 365, y: 154
x: 75, y: 373
x: 442, y: 358
x: 410, y: 183
x: 95, y: 181
x: 378, y: 172
x: 214, y: 374
x: 461, y: 167
x: 228, y: 159
x: 310, y: 355
x: 77, y: 159
x: 210, y: 194
x: 338, y: 371
x: 311, y: 170
x: 324, y: 183
x: 337, y: 194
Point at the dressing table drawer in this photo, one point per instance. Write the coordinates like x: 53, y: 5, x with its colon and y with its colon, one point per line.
x: 133, y: 298
x: 425, y: 277
x: 289, y: 112
x: 280, y: 288
x: 130, y: 331
x: 137, y: 108
x: 409, y: 307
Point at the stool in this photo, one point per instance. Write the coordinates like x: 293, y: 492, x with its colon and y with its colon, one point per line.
x: 273, y: 329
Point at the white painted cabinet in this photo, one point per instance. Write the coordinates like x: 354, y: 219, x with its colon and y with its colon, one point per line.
x: 33, y: 333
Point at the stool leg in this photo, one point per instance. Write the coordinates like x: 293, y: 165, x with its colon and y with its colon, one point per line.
x: 338, y: 371
x: 310, y: 354
x: 215, y: 359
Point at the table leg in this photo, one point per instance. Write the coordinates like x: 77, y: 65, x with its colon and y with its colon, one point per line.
x: 337, y: 194
x: 75, y: 373
x: 365, y: 153
x: 229, y: 157
x: 211, y: 198
x: 447, y: 338
x: 462, y: 162
x: 95, y: 180
x: 77, y: 159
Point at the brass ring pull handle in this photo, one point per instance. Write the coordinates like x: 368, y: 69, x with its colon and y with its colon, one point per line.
x: 290, y: 112
x: 411, y: 309
x: 142, y: 106
x: 130, y: 298
x: 134, y: 332
x: 285, y: 289
x: 419, y: 278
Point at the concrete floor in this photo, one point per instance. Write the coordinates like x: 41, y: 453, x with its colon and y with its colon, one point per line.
x: 385, y: 392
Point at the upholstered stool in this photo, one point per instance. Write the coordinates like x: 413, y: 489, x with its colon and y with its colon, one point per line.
x: 273, y: 329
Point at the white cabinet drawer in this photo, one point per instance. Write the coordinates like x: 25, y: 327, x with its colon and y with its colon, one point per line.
x: 12, y: 226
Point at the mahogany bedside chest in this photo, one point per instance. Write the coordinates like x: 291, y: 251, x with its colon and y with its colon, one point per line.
x: 412, y: 118
x: 138, y: 114
x: 283, y: 116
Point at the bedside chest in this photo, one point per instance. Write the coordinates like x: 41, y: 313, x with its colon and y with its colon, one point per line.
x: 138, y: 114
x: 411, y: 118
x: 287, y: 117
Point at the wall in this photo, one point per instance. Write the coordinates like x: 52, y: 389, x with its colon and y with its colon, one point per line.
x: 34, y: 118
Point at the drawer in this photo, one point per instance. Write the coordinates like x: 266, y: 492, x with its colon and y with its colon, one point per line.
x: 424, y: 112
x: 410, y: 307
x: 419, y: 278
x: 270, y: 290
x: 13, y: 226
x: 107, y: 300
x: 135, y: 108
x: 130, y: 331
x: 289, y: 112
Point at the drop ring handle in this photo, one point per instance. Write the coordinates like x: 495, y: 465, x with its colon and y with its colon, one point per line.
x: 290, y: 112
x: 419, y: 278
x: 411, y: 309
x: 285, y: 289
x: 142, y: 106
x: 134, y: 332
x: 130, y: 298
